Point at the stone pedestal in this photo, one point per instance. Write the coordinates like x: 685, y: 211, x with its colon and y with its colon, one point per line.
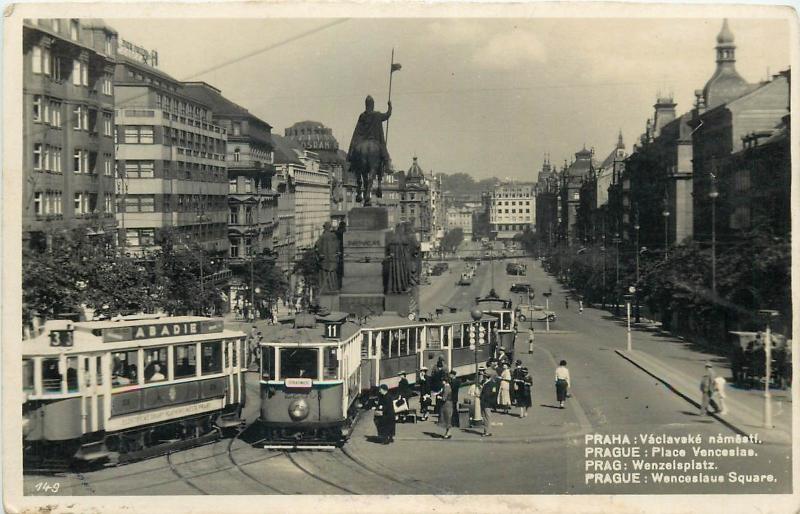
x: 402, y: 303
x: 367, y: 218
x: 362, y: 304
x: 329, y: 302
x: 364, y: 252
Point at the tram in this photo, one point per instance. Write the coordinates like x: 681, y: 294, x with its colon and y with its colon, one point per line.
x: 317, y: 371
x: 130, y: 388
x: 505, y: 314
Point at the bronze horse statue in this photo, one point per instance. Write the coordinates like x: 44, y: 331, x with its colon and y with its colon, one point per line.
x: 367, y: 164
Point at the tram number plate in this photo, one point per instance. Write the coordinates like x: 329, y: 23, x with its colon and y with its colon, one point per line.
x: 298, y: 382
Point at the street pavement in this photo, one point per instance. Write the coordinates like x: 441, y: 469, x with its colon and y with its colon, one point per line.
x: 544, y: 453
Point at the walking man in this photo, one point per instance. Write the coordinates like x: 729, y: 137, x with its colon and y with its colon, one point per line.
x: 719, y: 387
x: 580, y: 306
x: 531, y: 336
x: 488, y: 399
x: 707, y: 388
x: 455, y: 385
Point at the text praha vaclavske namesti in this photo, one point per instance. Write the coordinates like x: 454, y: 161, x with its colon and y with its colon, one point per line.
x: 669, y: 459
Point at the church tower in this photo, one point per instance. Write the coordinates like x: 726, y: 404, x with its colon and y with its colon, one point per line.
x: 726, y: 83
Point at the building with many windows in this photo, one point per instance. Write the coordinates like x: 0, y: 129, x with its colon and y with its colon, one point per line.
x: 512, y: 209
x: 460, y: 217
x: 68, y: 123
x: 252, y: 199
x: 310, y: 187
x: 170, y: 159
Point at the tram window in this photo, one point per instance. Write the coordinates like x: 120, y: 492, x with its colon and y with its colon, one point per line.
x: 403, y: 342
x: 505, y: 319
x: 413, y: 337
x: 268, y: 362
x: 457, y: 336
x: 385, y: 342
x: 234, y: 357
x: 365, y: 346
x: 212, y: 358
x: 185, y: 360
x: 51, y: 376
x: 27, y: 375
x: 155, y: 364
x: 433, y: 338
x: 124, y: 371
x: 395, y: 334
x: 72, y: 374
x: 445, y: 337
x: 331, y: 363
x: 299, y: 363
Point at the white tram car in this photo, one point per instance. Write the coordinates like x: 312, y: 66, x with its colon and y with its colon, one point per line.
x: 112, y: 391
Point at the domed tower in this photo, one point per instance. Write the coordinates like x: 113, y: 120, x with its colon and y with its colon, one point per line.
x: 415, y: 172
x: 726, y: 83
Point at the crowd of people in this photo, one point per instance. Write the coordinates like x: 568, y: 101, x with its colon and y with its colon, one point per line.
x: 498, y: 388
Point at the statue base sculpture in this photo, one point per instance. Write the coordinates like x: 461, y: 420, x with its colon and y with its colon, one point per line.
x: 329, y: 301
x: 362, y: 304
x: 402, y: 303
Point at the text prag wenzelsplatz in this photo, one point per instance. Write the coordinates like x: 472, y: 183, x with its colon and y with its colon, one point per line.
x: 650, y: 458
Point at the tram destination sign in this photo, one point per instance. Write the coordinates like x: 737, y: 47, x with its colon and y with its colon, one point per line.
x: 163, y: 329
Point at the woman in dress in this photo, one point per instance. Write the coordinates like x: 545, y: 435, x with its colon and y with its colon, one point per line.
x: 446, y: 409
x: 524, y: 393
x: 562, y: 383
x: 504, y: 395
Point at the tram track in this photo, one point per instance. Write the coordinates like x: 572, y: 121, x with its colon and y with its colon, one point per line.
x: 182, y: 478
x: 316, y: 476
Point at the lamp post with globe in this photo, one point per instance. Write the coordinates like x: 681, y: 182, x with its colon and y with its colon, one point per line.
x: 475, y: 336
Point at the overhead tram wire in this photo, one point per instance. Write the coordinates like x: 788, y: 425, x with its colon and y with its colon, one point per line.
x: 241, y: 58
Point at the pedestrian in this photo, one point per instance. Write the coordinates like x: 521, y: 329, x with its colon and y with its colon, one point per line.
x: 403, y: 388
x: 719, y: 389
x: 502, y: 357
x: 437, y: 383
x: 562, y: 383
x: 516, y: 374
x: 424, y: 393
x: 566, y: 302
x: 246, y: 312
x: 474, y: 394
x: 580, y: 306
x: 488, y: 399
x: 446, y: 409
x: 531, y: 336
x: 707, y: 389
x: 455, y: 385
x: 504, y: 393
x: 384, y: 416
x: 524, y: 396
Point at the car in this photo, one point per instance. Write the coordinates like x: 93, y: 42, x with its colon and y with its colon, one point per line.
x: 465, y: 280
x: 520, y: 288
x: 523, y: 314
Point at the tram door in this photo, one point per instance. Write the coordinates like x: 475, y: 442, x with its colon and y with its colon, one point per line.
x: 437, y: 346
x: 90, y: 378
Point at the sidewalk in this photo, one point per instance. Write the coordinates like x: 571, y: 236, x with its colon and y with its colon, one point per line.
x: 680, y: 369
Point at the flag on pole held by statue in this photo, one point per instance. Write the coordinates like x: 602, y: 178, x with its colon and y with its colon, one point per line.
x: 396, y: 66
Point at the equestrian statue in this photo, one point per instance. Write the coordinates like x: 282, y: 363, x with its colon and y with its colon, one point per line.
x: 367, y: 155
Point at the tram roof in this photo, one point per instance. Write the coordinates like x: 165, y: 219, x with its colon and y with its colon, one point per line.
x: 287, y: 333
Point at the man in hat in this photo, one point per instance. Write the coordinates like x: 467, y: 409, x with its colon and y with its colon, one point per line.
x: 403, y: 388
x: 489, y: 392
x: 707, y: 389
x: 424, y: 385
x: 516, y: 378
x: 384, y: 416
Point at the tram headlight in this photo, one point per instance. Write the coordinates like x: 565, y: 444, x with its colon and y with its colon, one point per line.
x: 298, y: 410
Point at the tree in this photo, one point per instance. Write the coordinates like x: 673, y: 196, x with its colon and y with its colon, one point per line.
x: 452, y: 239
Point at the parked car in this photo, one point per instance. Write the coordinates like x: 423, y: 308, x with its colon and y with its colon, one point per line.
x: 536, y: 314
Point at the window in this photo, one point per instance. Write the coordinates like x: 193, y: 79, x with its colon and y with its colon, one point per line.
x: 140, y: 237
x: 108, y: 165
x: 234, y: 246
x: 78, y: 117
x: 57, y: 67
x: 37, y: 156
x: 79, y: 203
x: 108, y: 124
x: 80, y: 161
x: 124, y: 370
x: 46, y: 160
x: 36, y: 59
x: 267, y: 363
x: 27, y: 375
x: 55, y: 114
x: 331, y: 363
x: 298, y: 363
x: 109, y: 204
x: 76, y: 72
x: 236, y: 155
x: 55, y: 24
x: 46, y: 67
x: 155, y: 364
x: 185, y: 361
x: 109, y: 45
x: 248, y: 246
x: 107, y: 89
x: 237, y: 129
x: 140, y: 203
x: 56, y: 160
x: 139, y: 169
x: 138, y: 135
x: 232, y: 185
x: 212, y: 358
x: 37, y: 108
x: 233, y: 219
x: 248, y: 215
x: 74, y: 30
x: 51, y: 375
x: 37, y: 203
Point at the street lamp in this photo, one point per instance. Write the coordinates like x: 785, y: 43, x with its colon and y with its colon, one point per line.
x: 531, y: 296
x: 547, y: 295
x: 636, y: 227
x: 768, y: 315
x: 666, y: 213
x: 628, y: 298
x: 616, y: 242
x: 713, y: 194
x: 475, y: 336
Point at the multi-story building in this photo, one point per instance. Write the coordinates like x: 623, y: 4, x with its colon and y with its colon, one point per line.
x: 572, y: 179
x: 546, y: 191
x: 311, y: 189
x: 68, y: 127
x: 317, y: 138
x: 170, y: 158
x: 513, y: 209
x: 252, y: 199
x: 460, y: 217
x: 437, y: 210
x: 414, y: 202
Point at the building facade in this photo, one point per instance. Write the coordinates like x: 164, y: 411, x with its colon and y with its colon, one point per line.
x: 252, y: 199
x: 171, y: 171
x: 461, y: 217
x: 415, y: 202
x: 512, y: 209
x: 68, y: 128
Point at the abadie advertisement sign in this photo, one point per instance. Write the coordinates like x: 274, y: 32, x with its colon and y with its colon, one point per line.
x: 155, y: 330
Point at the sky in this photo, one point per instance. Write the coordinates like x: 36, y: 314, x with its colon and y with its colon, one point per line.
x: 488, y: 97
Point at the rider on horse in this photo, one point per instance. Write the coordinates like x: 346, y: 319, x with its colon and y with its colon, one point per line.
x: 370, y: 127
